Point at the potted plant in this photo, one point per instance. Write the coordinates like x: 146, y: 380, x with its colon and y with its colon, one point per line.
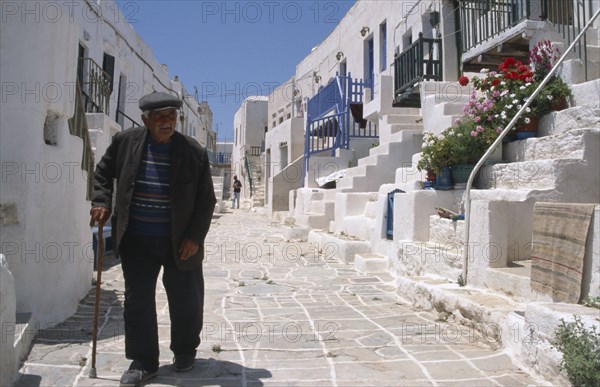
x: 556, y: 92
x: 435, y: 156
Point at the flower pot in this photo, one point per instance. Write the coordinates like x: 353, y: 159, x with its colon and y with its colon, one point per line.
x: 443, y: 180
x: 559, y: 104
x: 460, y: 175
x: 527, y: 130
x: 430, y: 175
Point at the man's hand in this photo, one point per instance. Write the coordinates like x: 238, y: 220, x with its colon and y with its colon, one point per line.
x: 187, y: 249
x: 100, y: 215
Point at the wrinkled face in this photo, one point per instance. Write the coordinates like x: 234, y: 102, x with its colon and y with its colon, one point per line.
x: 161, y: 124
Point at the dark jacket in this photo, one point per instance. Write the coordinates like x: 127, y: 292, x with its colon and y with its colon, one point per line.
x: 192, y: 193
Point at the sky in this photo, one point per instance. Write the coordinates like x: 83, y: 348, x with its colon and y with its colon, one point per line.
x: 229, y: 49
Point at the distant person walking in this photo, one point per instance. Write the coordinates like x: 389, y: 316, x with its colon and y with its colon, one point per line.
x: 237, y: 189
x: 162, y: 212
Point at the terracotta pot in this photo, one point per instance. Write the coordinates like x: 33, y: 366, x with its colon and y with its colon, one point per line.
x: 559, y: 104
x: 527, y: 130
x: 430, y: 175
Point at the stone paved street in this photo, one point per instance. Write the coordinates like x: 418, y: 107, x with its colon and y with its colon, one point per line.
x: 280, y: 313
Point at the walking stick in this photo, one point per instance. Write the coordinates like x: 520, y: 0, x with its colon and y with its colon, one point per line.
x: 97, y: 300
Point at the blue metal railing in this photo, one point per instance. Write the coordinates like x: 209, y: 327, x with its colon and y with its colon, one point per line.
x: 331, y: 123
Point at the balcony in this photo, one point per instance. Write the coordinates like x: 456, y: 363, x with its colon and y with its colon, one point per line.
x: 492, y: 30
x: 96, y: 86
x: 220, y: 157
x: 420, y: 61
x: 335, y: 115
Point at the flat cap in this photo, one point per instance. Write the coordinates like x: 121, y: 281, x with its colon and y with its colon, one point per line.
x: 159, y: 101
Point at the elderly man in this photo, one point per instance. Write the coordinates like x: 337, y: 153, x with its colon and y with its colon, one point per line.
x: 162, y: 212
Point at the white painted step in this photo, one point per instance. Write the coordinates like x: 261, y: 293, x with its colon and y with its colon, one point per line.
x: 412, y: 116
x: 371, y: 263
x: 337, y: 247
x: 358, y: 226
x: 313, y: 221
x: 419, y: 259
x: 446, y: 232
x: 533, y: 175
x: 577, y: 117
x: 579, y: 144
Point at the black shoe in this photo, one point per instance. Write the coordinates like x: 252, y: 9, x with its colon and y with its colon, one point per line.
x: 184, y: 363
x: 135, y: 378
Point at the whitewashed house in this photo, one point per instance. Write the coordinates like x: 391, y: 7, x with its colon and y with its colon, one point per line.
x: 409, y: 55
x: 72, y: 74
x: 249, y: 127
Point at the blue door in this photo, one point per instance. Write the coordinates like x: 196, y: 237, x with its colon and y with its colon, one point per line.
x: 389, y: 233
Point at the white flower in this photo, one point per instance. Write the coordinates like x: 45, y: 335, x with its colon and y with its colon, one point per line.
x: 528, y: 109
x: 459, y: 135
x: 550, y: 97
x: 515, y: 101
x: 519, y: 106
x: 509, y: 106
x: 484, y: 71
x: 522, y: 88
x: 527, y: 120
x: 512, y: 95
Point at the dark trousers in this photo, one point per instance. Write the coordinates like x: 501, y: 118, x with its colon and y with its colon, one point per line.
x: 142, y: 258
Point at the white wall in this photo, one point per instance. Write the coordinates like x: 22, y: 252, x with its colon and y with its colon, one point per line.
x: 49, y: 248
x: 249, y: 125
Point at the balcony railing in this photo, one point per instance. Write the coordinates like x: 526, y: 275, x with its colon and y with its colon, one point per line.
x: 96, y: 86
x: 569, y: 17
x: 335, y: 116
x: 125, y: 121
x: 422, y: 60
x: 483, y: 19
x: 221, y: 158
x: 255, y: 150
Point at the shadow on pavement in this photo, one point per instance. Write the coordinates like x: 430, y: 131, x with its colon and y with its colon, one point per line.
x: 28, y: 380
x: 212, y: 372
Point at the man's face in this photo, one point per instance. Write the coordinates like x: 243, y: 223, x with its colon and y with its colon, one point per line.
x: 161, y: 124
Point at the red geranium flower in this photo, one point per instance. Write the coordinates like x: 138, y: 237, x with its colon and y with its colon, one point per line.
x: 463, y: 81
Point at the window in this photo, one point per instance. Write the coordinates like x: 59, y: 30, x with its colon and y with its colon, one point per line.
x: 383, y: 46
x: 108, y: 65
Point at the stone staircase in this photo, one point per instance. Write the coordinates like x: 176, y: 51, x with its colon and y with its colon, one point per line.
x: 401, y: 137
x: 258, y: 188
x: 314, y: 208
x: 558, y: 167
x: 444, y: 102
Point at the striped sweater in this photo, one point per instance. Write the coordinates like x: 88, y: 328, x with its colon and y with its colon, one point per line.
x: 150, y: 211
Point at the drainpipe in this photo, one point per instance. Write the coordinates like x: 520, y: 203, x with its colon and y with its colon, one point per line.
x: 491, y: 149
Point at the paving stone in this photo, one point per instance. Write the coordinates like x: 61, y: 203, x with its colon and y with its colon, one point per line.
x: 299, y: 320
